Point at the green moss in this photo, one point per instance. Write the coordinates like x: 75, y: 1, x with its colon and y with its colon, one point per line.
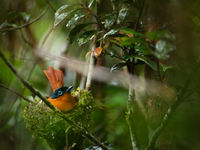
x: 46, y: 124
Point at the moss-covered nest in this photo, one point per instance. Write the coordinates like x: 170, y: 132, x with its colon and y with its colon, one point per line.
x: 46, y: 124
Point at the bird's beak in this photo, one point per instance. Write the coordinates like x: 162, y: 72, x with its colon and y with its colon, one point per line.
x: 68, y: 89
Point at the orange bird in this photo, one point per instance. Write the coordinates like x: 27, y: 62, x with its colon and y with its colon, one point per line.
x: 61, y: 97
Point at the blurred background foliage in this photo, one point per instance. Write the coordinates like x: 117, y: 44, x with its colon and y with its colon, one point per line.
x: 163, y: 33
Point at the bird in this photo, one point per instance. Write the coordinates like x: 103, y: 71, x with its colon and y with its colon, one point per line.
x: 61, y: 97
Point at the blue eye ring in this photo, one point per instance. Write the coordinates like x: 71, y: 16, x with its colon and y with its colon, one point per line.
x: 60, y: 93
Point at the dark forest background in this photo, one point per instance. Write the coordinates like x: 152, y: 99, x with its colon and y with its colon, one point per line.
x: 154, y: 40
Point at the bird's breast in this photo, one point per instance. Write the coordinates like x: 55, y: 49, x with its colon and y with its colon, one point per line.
x: 64, y: 103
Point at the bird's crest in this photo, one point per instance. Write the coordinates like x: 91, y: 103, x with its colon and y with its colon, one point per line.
x: 55, y: 77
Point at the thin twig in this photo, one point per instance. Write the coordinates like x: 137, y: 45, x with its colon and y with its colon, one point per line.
x: 25, y: 40
x: 58, y: 112
x: 129, y: 119
x: 46, y: 36
x: 25, y: 25
x: 51, y: 6
x: 180, y: 97
x: 140, y: 15
x: 15, y: 92
x: 158, y: 69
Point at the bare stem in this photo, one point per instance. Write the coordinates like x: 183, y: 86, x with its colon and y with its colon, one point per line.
x: 58, y: 112
x: 140, y: 15
x: 130, y: 121
x: 15, y: 92
x: 91, y: 65
x: 158, y: 69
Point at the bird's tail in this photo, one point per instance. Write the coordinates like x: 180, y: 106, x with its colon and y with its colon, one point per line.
x: 55, y: 77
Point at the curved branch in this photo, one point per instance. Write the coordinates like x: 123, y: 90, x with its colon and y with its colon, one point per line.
x: 180, y: 97
x: 25, y: 25
x: 58, y: 112
x: 15, y: 92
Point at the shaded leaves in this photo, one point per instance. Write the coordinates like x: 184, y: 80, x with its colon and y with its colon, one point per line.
x: 76, y: 30
x: 86, y: 36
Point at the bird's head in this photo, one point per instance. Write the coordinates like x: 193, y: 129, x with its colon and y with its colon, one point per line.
x: 61, y: 91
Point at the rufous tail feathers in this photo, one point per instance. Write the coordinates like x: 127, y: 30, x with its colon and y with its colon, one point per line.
x: 55, y: 77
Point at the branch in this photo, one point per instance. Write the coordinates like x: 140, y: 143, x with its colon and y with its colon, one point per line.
x: 58, y: 112
x: 130, y: 121
x: 15, y: 92
x: 50, y: 5
x: 25, y: 25
x: 168, y: 115
x: 91, y: 65
x: 140, y: 15
x: 158, y: 69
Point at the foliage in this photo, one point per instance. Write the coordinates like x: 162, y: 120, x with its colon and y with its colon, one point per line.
x: 157, y: 41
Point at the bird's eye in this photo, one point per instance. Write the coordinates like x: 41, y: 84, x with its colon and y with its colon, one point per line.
x: 60, y: 93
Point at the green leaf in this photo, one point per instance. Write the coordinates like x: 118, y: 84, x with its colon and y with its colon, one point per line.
x: 91, y: 3
x: 109, y: 21
x: 25, y: 16
x: 75, y: 18
x: 86, y: 37
x: 61, y: 17
x: 128, y: 41
x: 59, y: 10
x: 156, y: 35
x: 147, y: 61
x: 122, y: 15
x: 117, y: 66
x: 143, y: 49
x: 124, y: 31
x: 131, y: 31
x: 165, y: 68
x: 111, y: 32
x: 76, y: 30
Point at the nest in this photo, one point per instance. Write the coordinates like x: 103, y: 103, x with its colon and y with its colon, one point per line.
x: 46, y: 124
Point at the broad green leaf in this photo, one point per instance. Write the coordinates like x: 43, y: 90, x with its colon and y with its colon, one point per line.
x: 61, y: 17
x: 129, y: 41
x: 143, y: 49
x: 59, y: 10
x: 122, y: 15
x: 76, y: 30
x: 75, y: 18
x: 109, y: 21
x: 86, y: 37
x: 123, y: 31
x: 117, y: 66
x: 91, y: 3
x: 111, y: 32
x: 131, y: 31
x: 147, y: 61
x: 156, y: 35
